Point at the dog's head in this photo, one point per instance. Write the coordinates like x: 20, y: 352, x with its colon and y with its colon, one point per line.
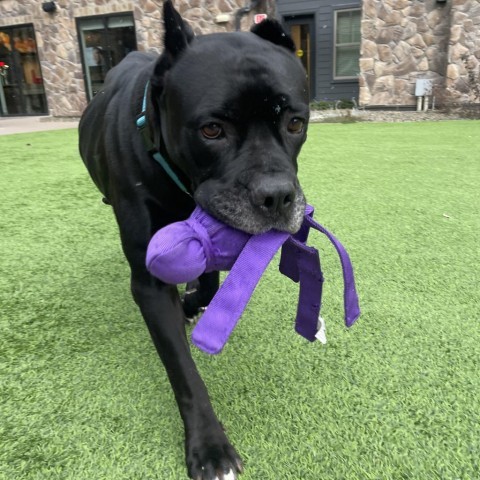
x: 233, y: 110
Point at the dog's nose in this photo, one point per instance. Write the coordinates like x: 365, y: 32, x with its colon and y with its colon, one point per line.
x: 273, y: 195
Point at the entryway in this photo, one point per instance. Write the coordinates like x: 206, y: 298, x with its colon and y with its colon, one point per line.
x: 302, y: 31
x: 21, y: 82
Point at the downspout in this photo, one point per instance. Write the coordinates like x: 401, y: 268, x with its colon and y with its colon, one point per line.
x: 244, y: 11
x: 448, y: 11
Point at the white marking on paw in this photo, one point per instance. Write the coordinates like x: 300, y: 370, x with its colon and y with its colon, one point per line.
x: 196, y: 318
x: 228, y: 476
x: 322, y: 331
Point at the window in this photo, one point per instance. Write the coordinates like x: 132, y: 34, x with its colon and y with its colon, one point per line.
x: 104, y: 41
x: 21, y: 81
x: 347, y: 44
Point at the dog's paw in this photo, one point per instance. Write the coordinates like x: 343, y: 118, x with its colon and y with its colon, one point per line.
x: 196, y: 317
x: 192, y: 306
x: 228, y: 476
x: 213, y: 459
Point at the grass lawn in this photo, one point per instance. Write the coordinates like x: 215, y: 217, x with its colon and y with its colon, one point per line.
x: 83, y: 395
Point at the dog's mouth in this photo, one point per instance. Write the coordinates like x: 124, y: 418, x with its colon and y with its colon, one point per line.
x: 236, y: 208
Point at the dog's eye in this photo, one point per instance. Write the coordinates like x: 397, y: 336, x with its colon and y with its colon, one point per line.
x: 212, y: 131
x: 295, y: 125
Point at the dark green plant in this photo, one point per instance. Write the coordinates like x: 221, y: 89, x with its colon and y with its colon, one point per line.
x: 341, y: 104
x: 344, y: 116
x: 321, y: 105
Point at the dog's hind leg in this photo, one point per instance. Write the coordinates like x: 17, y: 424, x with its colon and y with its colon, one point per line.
x: 199, y: 294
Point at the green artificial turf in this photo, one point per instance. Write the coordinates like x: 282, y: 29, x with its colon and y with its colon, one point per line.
x: 83, y: 395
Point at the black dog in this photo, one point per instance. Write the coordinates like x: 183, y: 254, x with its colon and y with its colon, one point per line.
x: 226, y: 115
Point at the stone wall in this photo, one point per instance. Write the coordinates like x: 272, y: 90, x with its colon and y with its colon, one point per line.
x: 463, y: 71
x: 402, y: 40
x: 57, y: 38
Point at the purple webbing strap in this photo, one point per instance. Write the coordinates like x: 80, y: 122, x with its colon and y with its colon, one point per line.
x: 301, y: 263
x: 310, y: 292
x: 350, y: 297
x: 217, y: 323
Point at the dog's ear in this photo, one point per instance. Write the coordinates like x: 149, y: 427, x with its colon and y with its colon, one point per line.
x: 272, y: 31
x: 178, y: 34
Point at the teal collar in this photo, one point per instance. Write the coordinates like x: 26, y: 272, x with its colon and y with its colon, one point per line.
x: 142, y: 126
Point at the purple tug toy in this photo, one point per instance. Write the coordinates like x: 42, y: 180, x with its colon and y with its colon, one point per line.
x: 182, y: 251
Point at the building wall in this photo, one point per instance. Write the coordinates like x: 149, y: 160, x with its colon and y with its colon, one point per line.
x: 57, y: 38
x: 405, y: 40
x: 402, y: 41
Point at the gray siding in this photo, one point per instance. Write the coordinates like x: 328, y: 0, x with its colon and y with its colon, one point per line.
x: 323, y: 13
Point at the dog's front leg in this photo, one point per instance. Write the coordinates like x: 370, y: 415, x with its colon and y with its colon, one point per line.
x: 209, y: 454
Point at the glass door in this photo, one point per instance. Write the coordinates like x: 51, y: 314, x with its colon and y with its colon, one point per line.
x: 302, y: 33
x: 21, y: 81
x: 104, y: 41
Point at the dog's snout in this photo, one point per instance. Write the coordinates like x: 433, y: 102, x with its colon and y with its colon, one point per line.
x: 272, y: 195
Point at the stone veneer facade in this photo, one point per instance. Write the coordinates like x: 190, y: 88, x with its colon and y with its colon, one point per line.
x: 57, y: 40
x: 402, y: 41
x: 405, y: 40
